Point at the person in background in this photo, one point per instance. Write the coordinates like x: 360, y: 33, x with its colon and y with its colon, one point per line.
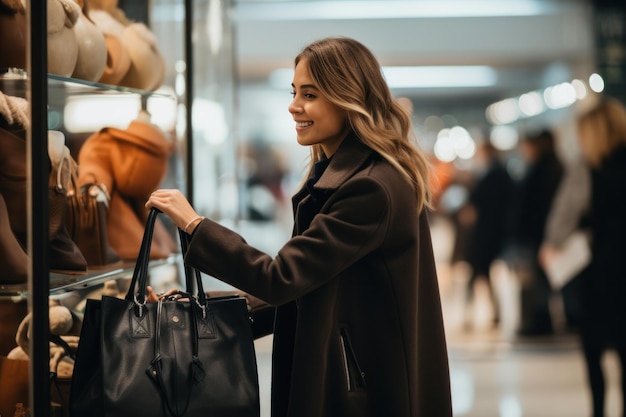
x: 568, y: 215
x: 488, y: 212
x: 602, y: 136
x: 358, y: 328
x: 536, y: 192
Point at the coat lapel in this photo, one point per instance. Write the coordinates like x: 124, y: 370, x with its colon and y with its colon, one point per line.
x: 348, y: 159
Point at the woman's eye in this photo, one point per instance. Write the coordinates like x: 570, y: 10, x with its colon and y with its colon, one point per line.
x: 305, y: 95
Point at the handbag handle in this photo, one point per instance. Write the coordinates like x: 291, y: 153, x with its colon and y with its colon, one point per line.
x: 139, y: 283
x: 175, y: 404
x: 190, y: 272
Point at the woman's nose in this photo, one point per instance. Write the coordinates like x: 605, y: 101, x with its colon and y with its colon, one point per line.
x: 294, y: 107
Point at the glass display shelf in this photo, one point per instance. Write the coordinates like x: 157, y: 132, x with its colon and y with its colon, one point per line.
x: 62, y: 283
x: 14, y: 82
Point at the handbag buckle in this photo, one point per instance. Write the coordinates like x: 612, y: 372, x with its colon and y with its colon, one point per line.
x: 140, y: 305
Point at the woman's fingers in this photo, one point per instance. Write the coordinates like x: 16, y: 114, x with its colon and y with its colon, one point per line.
x: 153, y: 297
x: 174, y: 204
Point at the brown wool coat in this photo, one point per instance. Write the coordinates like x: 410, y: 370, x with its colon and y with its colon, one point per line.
x: 358, y: 328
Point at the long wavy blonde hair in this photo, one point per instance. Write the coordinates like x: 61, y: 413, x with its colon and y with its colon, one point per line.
x: 601, y: 130
x: 350, y: 77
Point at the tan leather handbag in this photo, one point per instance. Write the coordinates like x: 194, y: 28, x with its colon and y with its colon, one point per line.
x: 130, y: 163
x: 86, y: 222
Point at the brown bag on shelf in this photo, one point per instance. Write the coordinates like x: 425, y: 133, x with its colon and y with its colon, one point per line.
x: 64, y: 254
x: 130, y: 163
x: 13, y: 34
x: 13, y: 385
x: 13, y: 258
x: 86, y: 222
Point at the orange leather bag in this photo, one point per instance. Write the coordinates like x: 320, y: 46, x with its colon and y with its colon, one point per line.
x: 130, y: 163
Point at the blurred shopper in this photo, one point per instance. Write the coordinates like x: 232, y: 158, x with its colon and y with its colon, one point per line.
x: 265, y: 170
x: 535, y: 195
x: 358, y: 329
x: 488, y: 212
x: 602, y: 134
x: 568, y: 220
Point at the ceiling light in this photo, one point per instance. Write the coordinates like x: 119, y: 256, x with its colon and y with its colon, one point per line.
x: 440, y: 76
x: 416, y: 77
x: 392, y: 9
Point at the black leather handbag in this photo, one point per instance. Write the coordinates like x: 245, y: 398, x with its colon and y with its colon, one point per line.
x: 186, y: 355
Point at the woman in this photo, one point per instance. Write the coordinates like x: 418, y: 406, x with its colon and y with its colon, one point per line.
x: 602, y: 135
x: 358, y: 328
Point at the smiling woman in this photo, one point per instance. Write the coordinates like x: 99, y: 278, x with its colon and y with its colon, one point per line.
x: 318, y: 121
x: 356, y: 312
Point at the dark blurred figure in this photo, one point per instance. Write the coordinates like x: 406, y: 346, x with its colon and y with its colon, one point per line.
x: 266, y: 168
x: 487, y: 210
x: 602, y: 134
x: 535, y: 195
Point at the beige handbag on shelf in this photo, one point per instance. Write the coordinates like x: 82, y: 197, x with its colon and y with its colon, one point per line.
x: 92, y: 49
x: 62, y: 42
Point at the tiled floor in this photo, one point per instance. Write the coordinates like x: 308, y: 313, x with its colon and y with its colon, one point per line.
x: 491, y: 377
x: 496, y: 376
x: 494, y: 373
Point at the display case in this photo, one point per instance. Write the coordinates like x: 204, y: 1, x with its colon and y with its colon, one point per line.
x: 68, y: 101
x: 78, y: 108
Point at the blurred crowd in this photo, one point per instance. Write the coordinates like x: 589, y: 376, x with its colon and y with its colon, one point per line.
x: 555, y: 226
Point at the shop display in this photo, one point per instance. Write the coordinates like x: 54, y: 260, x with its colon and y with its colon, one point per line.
x: 96, y: 222
x: 136, y: 41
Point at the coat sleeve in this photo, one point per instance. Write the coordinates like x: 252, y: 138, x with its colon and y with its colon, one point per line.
x: 352, y: 223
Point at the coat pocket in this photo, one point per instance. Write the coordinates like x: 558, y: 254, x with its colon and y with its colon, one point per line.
x: 355, y: 377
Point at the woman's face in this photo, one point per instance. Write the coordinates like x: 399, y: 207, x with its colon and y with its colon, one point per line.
x: 318, y: 121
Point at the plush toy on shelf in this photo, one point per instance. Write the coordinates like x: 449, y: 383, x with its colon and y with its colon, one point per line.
x: 63, y: 323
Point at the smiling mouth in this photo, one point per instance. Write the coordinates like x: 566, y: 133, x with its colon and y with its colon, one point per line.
x: 303, y: 124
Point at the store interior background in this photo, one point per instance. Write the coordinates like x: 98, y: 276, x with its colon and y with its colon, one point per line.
x: 247, y: 163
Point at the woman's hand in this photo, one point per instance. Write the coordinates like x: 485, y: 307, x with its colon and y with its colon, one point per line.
x: 175, y: 205
x: 153, y: 297
x: 547, y: 253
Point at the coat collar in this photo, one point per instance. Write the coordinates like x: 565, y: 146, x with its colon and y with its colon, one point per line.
x: 348, y: 158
